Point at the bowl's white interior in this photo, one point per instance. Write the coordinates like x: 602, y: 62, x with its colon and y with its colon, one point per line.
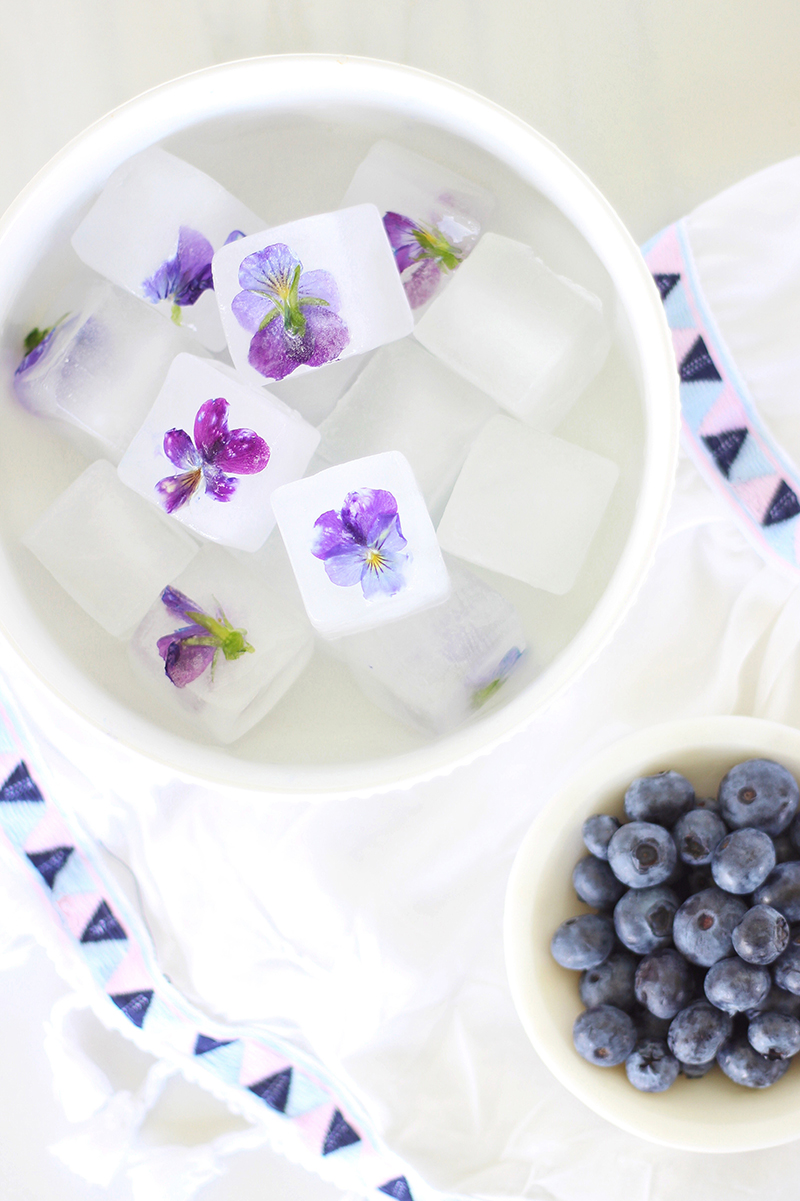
x: 285, y: 136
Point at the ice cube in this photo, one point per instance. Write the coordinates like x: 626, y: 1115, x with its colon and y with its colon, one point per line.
x: 435, y: 670
x: 95, y: 367
x: 527, y: 505
x: 361, y: 544
x: 213, y: 449
x: 153, y: 231
x: 407, y: 400
x: 314, y: 395
x: 528, y: 337
x: 260, y: 646
x: 432, y: 215
x: 300, y: 295
x: 112, y: 552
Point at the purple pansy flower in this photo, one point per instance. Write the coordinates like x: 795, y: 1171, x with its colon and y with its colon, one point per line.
x: 187, y: 652
x: 292, y: 314
x: 37, y: 343
x: 423, y: 254
x: 205, y: 461
x: 183, y: 278
x: 363, y: 543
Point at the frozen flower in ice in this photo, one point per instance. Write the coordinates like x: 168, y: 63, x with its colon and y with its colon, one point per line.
x: 486, y: 690
x: 189, y: 651
x: 183, y: 278
x: 423, y: 253
x: 292, y: 313
x: 206, y: 461
x: 36, y: 344
x: 363, y: 543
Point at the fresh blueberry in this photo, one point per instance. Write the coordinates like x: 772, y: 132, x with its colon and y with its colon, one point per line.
x: 759, y: 793
x: 595, y: 883
x: 643, y: 918
x: 743, y: 1065
x: 664, y: 982
x: 694, y: 1071
x: 597, y: 833
x: 604, y: 1035
x: 703, y: 926
x: 660, y: 798
x: 650, y: 1067
x: 781, y: 890
x: 786, y: 969
x: 794, y: 834
x: 761, y: 936
x: 776, y: 1035
x: 582, y: 942
x: 778, y: 1000
x: 610, y: 983
x: 698, y: 1032
x: 648, y: 1025
x: 743, y: 860
x: 707, y: 802
x: 785, y: 850
x: 642, y: 854
x: 696, y: 835
x: 734, y: 986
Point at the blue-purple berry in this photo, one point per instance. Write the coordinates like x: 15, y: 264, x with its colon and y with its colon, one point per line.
x: 650, y: 1067
x: 642, y: 854
x: 664, y: 982
x: 776, y: 1035
x: 781, y: 890
x: 759, y: 793
x: 696, y: 835
x: 610, y: 983
x: 604, y: 1035
x: 595, y: 883
x: 643, y: 918
x: 742, y: 860
x: 704, y: 924
x: 597, y: 832
x: 734, y: 986
x: 661, y: 798
x: 583, y: 942
x: 698, y: 1032
x: 761, y: 936
x: 745, y: 1066
x: 786, y: 968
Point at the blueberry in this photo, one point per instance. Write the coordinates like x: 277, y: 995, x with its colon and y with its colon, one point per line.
x: 595, y: 883
x: 785, y: 850
x: 707, y: 802
x: 761, y: 936
x: 781, y: 890
x: 776, y: 1035
x: 610, y: 983
x: 582, y: 942
x: 642, y: 854
x: 778, y: 1000
x: 703, y: 926
x: 759, y: 793
x: 664, y: 982
x: 597, y: 833
x: 643, y: 918
x: 786, y: 969
x: 648, y: 1025
x: 743, y: 1065
x: 743, y: 860
x: 794, y: 834
x: 696, y: 835
x: 650, y: 1067
x: 660, y: 798
x: 734, y: 986
x: 698, y: 1032
x: 694, y: 1071
x: 604, y: 1035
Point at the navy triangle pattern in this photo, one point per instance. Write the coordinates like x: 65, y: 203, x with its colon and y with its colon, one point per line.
x: 49, y: 863
x: 397, y: 1188
x: 698, y: 364
x: 20, y: 787
x: 134, y: 1005
x: 725, y: 447
x: 340, y: 1134
x: 103, y: 926
x: 665, y: 282
x: 204, y: 1044
x: 783, y: 505
x: 274, y: 1090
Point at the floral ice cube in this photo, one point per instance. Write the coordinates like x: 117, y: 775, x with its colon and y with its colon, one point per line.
x: 221, y: 646
x: 108, y: 549
x: 407, y: 400
x: 154, y: 229
x: 95, y: 367
x: 437, y: 669
x: 309, y: 293
x: 527, y: 505
x: 432, y: 216
x: 361, y: 544
x: 528, y: 337
x: 212, y: 450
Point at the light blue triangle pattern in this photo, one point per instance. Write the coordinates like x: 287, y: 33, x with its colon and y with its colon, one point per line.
x: 781, y: 537
x: 697, y: 399
x: 18, y: 818
x: 224, y: 1062
x: 676, y: 309
x: 750, y: 464
x: 104, y: 958
x: 304, y: 1096
x: 72, y: 879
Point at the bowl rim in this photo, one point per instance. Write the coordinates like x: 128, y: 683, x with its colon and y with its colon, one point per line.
x: 282, y: 81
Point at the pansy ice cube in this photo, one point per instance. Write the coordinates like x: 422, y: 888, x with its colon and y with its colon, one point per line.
x: 309, y: 293
x: 212, y: 450
x: 432, y: 216
x: 221, y: 646
x: 154, y: 229
x: 361, y: 544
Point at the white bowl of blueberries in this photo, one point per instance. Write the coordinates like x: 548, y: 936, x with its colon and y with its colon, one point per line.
x: 652, y: 936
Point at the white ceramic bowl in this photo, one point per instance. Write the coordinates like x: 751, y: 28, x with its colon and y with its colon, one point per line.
x: 285, y: 134
x: 709, y: 1114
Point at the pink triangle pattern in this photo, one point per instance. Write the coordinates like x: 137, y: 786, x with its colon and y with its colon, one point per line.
x: 682, y: 342
x: 258, y: 1062
x: 78, y: 910
x: 664, y: 254
x: 756, y: 494
x: 726, y: 413
x: 313, y: 1126
x: 131, y: 975
x: 51, y: 831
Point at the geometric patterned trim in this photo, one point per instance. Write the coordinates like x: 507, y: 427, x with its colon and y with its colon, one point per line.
x: 723, y: 433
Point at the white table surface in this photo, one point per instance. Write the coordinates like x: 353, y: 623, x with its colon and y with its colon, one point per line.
x: 662, y: 102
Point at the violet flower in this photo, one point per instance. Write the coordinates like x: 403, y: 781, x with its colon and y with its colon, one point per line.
x: 214, y: 448
x: 189, y: 651
x: 36, y: 344
x: 363, y: 543
x: 292, y: 314
x: 183, y: 278
x: 485, y: 691
x: 423, y: 254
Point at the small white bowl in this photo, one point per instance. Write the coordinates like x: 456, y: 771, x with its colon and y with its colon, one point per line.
x: 709, y: 1114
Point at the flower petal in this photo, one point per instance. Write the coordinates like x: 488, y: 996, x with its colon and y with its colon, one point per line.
x: 319, y: 285
x: 184, y: 663
x: 421, y: 282
x: 194, y: 264
x: 179, y: 603
x: 210, y: 426
x: 162, y: 282
x: 180, y: 450
x: 384, y: 579
x: 234, y: 236
x: 250, y: 309
x: 386, y: 535
x: 175, y: 490
x: 345, y: 568
x: 330, y: 536
x: 241, y: 451
x: 361, y: 509
x: 328, y: 333
x: 269, y: 270
x: 400, y: 232
x: 218, y: 484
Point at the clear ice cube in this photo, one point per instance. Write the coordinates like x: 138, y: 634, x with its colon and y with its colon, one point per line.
x: 111, y: 552
x: 301, y: 295
x: 213, y: 449
x: 528, y: 337
x: 527, y: 505
x: 361, y: 544
x: 315, y: 394
x: 259, y: 646
x: 153, y: 230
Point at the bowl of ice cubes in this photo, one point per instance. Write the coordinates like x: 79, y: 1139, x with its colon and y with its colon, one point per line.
x: 340, y: 420
x: 678, y: 848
